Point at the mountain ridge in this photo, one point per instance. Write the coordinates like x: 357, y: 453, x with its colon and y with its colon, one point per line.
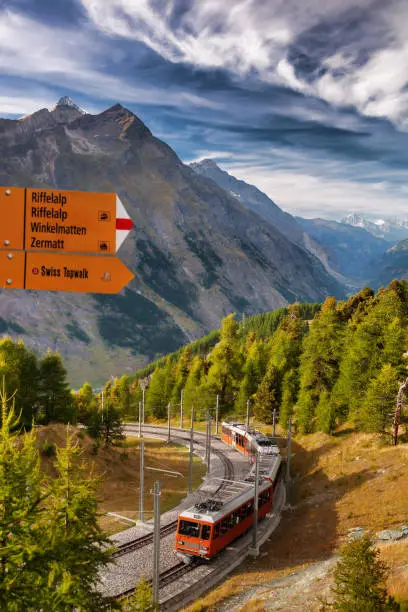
x: 196, y: 251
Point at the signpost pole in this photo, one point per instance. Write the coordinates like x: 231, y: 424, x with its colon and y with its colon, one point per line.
x: 141, y: 481
x: 156, y: 543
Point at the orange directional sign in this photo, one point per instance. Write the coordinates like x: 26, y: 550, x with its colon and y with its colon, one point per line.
x: 64, y: 221
x: 11, y: 218
x: 60, y: 272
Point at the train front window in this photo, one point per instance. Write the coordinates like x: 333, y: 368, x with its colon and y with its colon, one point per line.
x: 189, y: 528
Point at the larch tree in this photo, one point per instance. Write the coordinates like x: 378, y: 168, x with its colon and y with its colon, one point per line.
x: 379, y: 402
x: 78, y: 547
x: 268, y: 395
x: 290, y: 389
x: 226, y: 364
x: 359, y: 579
x: 319, y: 363
x: 23, y: 559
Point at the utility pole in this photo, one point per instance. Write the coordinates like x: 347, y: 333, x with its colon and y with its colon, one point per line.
x: 168, y: 423
x: 209, y: 444
x: 140, y: 420
x: 274, y: 422
x: 256, y: 494
x: 143, y: 383
x: 181, y: 408
x: 247, y: 415
x: 141, y: 480
x: 217, y: 410
x: 156, y: 543
x: 288, y: 450
x: 190, y: 471
x: 397, y: 414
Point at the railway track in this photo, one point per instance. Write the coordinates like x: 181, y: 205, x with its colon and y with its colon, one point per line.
x: 128, y: 547
x: 165, y: 578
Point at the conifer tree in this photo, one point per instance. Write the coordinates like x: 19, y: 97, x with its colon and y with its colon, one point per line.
x: 180, y: 376
x: 253, y: 372
x: 23, y: 562
x: 193, y: 393
x: 225, y: 369
x: 111, y: 427
x: 290, y: 389
x: 76, y: 544
x: 319, y: 363
x: 267, y: 397
x: 85, y: 403
x: 379, y: 402
x: 159, y: 390
x: 374, y: 338
x: 55, y: 397
x: 125, y: 397
x: 360, y: 579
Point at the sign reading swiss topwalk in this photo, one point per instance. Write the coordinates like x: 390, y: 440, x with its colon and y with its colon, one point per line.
x: 40, y: 230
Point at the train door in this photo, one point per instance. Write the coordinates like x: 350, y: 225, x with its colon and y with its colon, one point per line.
x: 205, y: 539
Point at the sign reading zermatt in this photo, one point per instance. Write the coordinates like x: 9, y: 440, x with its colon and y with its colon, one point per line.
x: 43, y: 232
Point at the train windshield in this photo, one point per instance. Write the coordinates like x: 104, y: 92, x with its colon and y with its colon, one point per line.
x: 189, y: 528
x: 266, y: 443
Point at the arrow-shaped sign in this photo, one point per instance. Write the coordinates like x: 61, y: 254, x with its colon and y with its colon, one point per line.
x: 60, y: 272
x: 65, y: 221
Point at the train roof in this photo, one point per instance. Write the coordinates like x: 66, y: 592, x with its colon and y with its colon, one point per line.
x: 234, y: 494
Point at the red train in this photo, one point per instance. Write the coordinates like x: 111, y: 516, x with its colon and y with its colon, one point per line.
x: 209, y: 526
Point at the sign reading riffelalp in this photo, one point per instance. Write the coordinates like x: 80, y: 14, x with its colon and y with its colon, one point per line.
x: 70, y: 221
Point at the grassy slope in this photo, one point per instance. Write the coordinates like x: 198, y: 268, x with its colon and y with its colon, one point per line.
x: 341, y: 482
x: 119, y: 468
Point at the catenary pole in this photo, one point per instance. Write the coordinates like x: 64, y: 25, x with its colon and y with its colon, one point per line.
x: 209, y: 444
x: 274, y: 422
x: 247, y: 415
x: 168, y: 423
x: 156, y: 543
x: 256, y: 493
x: 217, y: 411
x: 190, y: 471
x: 181, y: 408
x: 141, y: 480
x: 288, y: 450
x: 140, y: 420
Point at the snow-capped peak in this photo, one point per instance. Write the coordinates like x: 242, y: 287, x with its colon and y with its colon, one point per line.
x: 380, y: 222
x: 66, y: 102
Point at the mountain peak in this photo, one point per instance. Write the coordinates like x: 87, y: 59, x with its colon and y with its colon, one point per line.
x: 205, y: 163
x: 66, y: 102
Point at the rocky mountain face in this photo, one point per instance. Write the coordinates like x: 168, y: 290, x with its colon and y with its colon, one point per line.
x: 393, y: 264
x: 351, y: 251
x: 197, y: 252
x: 346, y: 252
x: 251, y: 197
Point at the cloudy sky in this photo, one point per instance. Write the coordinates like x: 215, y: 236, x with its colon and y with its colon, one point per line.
x: 304, y: 98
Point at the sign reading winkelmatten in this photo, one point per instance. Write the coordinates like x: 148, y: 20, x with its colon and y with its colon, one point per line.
x: 74, y: 221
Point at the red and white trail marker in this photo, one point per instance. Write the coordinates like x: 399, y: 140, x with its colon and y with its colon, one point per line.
x: 123, y: 223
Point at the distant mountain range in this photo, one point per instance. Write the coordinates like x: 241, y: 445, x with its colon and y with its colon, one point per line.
x: 348, y: 250
x: 198, y: 251
x: 390, y: 229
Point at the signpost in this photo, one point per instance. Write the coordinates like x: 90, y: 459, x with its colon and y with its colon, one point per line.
x: 43, y: 234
